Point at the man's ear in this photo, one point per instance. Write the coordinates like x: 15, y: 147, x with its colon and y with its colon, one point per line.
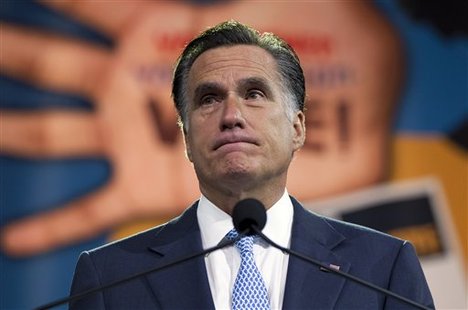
x: 299, y: 130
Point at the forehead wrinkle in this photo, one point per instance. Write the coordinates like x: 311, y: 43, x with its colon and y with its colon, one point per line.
x: 242, y: 61
x: 256, y: 75
x: 210, y: 69
x: 251, y: 57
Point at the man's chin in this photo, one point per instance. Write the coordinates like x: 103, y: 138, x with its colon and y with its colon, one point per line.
x: 239, y: 167
x: 237, y: 175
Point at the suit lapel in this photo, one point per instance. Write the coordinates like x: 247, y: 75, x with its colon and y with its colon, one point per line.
x: 184, y: 286
x: 308, y: 287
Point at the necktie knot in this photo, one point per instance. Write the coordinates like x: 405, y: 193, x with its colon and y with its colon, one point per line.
x: 245, y: 244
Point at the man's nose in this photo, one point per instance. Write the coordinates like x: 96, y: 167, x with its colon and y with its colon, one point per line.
x: 232, y: 113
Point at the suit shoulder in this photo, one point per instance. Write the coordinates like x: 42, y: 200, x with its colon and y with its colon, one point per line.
x: 359, y: 241
x: 134, y: 241
x: 353, y: 231
x: 358, y: 233
x: 140, y: 241
x: 348, y: 230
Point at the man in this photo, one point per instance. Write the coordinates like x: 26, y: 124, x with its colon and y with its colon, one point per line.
x: 240, y: 98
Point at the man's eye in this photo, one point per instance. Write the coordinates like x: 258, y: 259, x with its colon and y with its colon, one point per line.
x: 208, y: 100
x: 254, y: 94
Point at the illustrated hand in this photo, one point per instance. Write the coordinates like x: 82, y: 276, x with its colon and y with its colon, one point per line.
x: 123, y: 84
x: 352, y: 73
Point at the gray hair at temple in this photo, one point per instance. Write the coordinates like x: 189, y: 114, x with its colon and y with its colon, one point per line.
x: 232, y: 33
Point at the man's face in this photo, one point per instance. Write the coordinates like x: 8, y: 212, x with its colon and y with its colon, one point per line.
x: 239, y: 133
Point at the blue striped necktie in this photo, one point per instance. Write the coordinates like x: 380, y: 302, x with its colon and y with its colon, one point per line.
x: 249, y: 290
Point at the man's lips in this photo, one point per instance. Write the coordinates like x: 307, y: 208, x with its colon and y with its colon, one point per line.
x: 229, y: 139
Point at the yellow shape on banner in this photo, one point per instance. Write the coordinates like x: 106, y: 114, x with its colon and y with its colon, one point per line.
x: 435, y: 156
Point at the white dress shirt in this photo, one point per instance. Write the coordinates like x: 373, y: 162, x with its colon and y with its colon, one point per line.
x: 222, y: 265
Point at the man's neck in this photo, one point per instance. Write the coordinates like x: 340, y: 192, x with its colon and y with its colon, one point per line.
x: 227, y: 199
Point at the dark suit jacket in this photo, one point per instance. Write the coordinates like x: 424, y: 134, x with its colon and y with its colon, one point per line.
x: 383, y: 260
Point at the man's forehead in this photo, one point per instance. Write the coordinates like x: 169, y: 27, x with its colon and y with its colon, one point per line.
x: 238, y: 62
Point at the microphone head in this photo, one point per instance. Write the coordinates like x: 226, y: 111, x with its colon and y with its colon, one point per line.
x: 247, y: 213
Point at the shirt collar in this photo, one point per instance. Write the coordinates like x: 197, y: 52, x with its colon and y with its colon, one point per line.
x: 215, y: 223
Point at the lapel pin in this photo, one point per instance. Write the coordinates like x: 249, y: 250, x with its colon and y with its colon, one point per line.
x: 331, y: 266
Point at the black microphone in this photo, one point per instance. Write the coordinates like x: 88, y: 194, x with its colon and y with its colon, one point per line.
x: 224, y: 243
x: 249, y: 216
x: 249, y: 213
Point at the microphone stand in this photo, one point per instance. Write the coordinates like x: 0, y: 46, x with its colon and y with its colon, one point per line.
x: 337, y: 271
x: 222, y: 244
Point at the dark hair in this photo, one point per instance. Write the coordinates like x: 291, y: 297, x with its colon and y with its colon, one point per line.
x: 231, y: 33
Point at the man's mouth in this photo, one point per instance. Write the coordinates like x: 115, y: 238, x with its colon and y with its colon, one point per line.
x: 233, y: 139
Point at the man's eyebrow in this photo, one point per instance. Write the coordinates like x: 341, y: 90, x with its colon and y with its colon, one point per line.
x: 243, y: 84
x: 206, y: 88
x: 259, y: 82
